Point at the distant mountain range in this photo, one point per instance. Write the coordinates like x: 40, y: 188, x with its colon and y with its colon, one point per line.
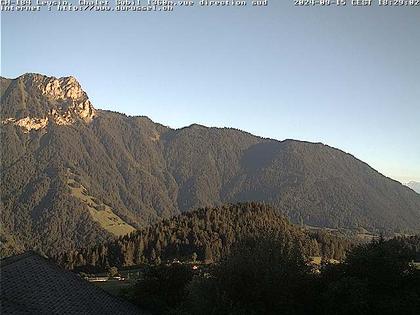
x: 73, y: 175
x: 414, y: 186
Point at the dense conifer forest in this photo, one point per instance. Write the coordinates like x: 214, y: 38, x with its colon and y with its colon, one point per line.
x: 206, y: 234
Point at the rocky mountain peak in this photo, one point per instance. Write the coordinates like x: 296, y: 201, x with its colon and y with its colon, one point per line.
x: 45, y: 100
x: 67, y: 88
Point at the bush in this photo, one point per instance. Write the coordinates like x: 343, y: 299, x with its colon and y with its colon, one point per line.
x: 163, y: 288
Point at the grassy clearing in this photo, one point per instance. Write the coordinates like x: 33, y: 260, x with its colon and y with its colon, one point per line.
x: 100, y: 212
x: 114, y: 287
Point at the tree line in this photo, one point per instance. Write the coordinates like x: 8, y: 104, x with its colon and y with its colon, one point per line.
x: 207, y: 235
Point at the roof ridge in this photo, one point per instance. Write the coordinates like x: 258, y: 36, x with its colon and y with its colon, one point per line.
x: 12, y: 259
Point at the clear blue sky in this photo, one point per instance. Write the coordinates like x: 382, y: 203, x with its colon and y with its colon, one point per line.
x: 346, y: 77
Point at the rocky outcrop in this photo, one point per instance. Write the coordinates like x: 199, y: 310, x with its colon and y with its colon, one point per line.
x: 27, y: 123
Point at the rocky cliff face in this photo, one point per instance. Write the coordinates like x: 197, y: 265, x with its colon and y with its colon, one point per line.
x: 66, y: 102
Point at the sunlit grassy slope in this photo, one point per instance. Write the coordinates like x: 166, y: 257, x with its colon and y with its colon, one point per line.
x: 100, y: 212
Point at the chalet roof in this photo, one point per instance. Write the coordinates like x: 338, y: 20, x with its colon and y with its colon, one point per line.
x: 31, y: 284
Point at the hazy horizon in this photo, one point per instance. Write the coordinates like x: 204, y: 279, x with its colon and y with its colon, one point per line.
x: 346, y: 77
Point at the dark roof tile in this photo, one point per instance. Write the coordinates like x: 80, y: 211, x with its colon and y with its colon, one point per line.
x: 31, y: 284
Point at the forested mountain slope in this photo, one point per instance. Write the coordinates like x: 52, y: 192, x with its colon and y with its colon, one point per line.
x: 130, y: 172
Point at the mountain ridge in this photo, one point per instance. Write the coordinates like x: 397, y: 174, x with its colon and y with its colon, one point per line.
x: 145, y: 171
x: 414, y: 186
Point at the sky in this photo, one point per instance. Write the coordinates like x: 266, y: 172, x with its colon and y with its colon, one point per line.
x: 348, y: 77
